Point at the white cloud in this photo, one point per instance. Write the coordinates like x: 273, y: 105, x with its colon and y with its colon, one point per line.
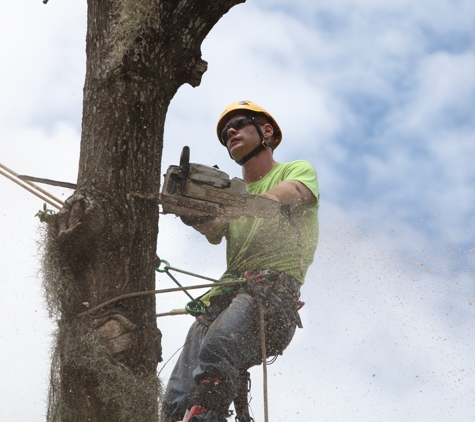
x: 46, y: 62
x: 443, y: 88
x: 375, y: 344
x: 386, y: 123
x: 50, y: 151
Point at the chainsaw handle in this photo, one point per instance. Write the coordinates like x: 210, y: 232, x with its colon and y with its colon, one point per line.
x: 185, y: 161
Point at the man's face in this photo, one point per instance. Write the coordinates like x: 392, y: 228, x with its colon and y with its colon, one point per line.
x: 242, y: 138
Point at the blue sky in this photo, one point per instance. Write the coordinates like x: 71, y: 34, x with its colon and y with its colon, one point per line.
x: 379, y: 96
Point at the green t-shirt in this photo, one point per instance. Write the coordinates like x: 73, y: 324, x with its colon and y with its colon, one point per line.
x: 262, y: 243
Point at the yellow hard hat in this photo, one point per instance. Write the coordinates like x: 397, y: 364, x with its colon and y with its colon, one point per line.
x: 243, y: 107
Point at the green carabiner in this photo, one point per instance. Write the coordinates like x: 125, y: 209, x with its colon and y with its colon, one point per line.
x: 223, y: 277
x: 158, y: 270
x: 195, y: 307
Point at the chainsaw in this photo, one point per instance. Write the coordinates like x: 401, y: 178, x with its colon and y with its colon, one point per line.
x: 196, y: 190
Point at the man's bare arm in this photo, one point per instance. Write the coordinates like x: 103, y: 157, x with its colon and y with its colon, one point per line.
x: 291, y: 192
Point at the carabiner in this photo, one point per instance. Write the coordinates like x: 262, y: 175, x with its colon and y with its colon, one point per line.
x: 165, y: 269
x: 195, y: 307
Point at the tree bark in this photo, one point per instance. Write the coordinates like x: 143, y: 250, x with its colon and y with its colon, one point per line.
x: 103, y: 242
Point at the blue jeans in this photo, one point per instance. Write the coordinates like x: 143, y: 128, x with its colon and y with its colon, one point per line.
x: 219, y: 347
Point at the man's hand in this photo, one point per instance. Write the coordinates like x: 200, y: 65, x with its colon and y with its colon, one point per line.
x: 291, y: 192
x: 208, y: 225
x: 213, y: 230
x: 196, y: 220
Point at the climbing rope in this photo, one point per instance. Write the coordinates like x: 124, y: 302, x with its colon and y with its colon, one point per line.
x: 156, y: 292
x: 32, y: 188
x: 264, y: 357
x: 194, y: 307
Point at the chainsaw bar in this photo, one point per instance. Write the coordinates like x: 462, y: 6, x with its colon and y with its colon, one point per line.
x: 47, y: 181
x: 198, y: 190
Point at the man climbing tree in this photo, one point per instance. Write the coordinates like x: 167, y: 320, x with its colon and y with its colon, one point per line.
x: 271, y: 254
x: 102, y: 243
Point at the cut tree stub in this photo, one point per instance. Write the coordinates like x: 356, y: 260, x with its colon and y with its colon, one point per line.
x: 115, y: 336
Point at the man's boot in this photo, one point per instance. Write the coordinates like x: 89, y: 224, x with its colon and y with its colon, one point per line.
x: 211, y: 394
x: 190, y: 414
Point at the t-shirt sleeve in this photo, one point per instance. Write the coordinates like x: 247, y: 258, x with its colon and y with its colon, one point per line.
x: 303, y: 172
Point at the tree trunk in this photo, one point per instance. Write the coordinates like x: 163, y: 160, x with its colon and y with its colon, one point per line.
x: 102, y: 243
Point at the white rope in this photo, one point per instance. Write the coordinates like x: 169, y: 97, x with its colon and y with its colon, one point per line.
x: 264, y: 357
x: 37, y: 191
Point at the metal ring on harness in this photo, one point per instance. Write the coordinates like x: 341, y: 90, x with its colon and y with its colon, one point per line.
x: 195, y: 307
x: 165, y: 268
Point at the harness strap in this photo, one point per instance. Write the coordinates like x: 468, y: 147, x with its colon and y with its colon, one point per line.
x: 261, y: 147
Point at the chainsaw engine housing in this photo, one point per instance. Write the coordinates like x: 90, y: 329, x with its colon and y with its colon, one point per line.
x: 199, y: 190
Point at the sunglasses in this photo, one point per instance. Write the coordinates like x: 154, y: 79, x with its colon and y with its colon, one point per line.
x: 236, y: 124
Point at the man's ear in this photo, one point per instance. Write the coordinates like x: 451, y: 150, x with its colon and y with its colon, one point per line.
x: 268, y: 130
